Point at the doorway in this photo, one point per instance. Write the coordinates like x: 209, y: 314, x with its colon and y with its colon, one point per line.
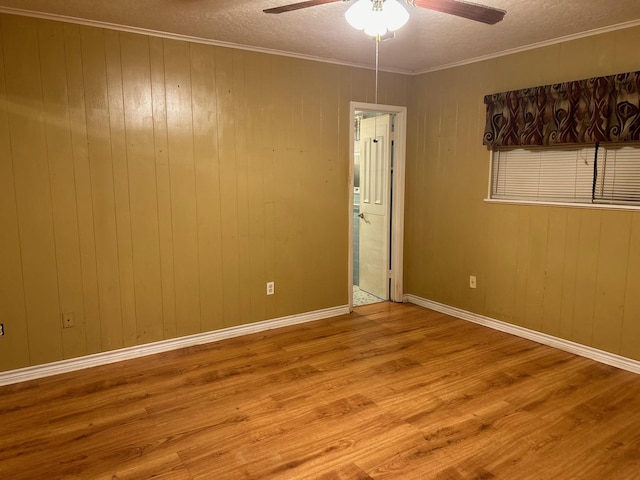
x: 376, y: 219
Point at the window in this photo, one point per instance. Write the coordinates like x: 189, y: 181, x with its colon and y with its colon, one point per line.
x: 618, y: 179
x: 593, y: 174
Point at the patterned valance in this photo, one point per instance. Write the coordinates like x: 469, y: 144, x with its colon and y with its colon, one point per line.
x: 600, y: 109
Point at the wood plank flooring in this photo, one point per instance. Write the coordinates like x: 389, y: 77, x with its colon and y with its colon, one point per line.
x: 390, y: 392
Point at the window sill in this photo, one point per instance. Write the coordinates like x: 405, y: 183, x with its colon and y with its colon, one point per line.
x: 597, y: 206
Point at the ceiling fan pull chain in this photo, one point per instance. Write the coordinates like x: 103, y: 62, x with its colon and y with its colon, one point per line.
x: 377, y: 48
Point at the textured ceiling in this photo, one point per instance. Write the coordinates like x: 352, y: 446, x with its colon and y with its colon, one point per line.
x: 430, y: 40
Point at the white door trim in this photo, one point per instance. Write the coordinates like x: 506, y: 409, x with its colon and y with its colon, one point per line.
x: 397, y: 209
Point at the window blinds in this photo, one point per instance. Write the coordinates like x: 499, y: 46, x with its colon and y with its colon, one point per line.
x: 618, y: 175
x: 559, y: 174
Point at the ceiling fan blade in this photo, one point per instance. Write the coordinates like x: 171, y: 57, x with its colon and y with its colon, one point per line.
x: 298, y: 6
x: 472, y: 11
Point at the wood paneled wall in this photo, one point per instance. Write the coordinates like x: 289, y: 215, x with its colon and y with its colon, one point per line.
x: 568, y: 272
x: 153, y: 186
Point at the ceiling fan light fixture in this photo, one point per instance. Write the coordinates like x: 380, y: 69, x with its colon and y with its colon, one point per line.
x: 376, y: 17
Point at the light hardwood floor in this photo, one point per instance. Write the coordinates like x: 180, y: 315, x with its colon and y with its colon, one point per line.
x: 392, y: 391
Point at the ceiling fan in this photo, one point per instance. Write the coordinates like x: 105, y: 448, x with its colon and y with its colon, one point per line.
x: 471, y: 11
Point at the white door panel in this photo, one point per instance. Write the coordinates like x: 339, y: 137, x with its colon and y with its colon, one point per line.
x: 375, y: 152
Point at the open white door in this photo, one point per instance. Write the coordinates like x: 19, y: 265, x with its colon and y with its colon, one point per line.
x: 392, y: 271
x: 375, y: 173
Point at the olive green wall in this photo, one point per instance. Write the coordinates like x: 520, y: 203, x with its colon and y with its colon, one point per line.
x: 568, y: 272
x: 154, y: 186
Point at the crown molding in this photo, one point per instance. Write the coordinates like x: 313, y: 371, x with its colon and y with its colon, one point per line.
x: 533, y: 46
x: 188, y: 38
x: 301, y: 56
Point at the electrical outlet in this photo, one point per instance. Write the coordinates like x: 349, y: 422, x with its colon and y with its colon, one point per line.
x: 271, y: 288
x: 1, y: 329
x: 68, y: 320
x: 472, y: 281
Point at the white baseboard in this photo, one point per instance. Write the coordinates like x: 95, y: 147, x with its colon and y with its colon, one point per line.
x: 559, y: 343
x: 104, y: 358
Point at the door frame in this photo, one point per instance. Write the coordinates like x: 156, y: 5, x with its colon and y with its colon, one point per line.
x: 398, y: 189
